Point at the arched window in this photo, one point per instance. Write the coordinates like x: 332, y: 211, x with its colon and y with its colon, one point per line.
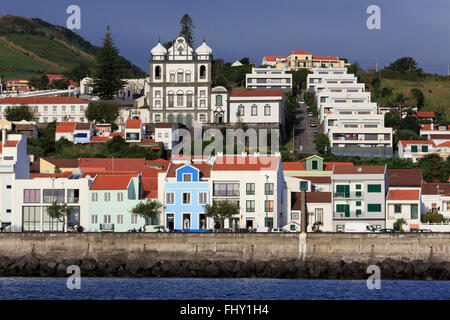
x: 180, y: 118
x: 254, y: 110
x: 170, y: 118
x: 240, y: 110
x: 157, y: 72
x: 171, y: 97
x: 189, y: 120
x: 202, y: 72
x: 219, y: 100
x: 172, y: 76
x: 180, y: 99
x: 180, y: 75
x: 189, y: 99
x: 188, y: 76
x: 267, y: 110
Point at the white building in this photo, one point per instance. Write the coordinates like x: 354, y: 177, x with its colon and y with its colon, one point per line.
x: 48, y: 109
x: 134, y: 130
x: 268, y: 79
x: 219, y: 105
x: 165, y: 133
x: 14, y: 165
x: 415, y: 149
x: 403, y: 204
x: 272, y: 60
x: 436, y: 198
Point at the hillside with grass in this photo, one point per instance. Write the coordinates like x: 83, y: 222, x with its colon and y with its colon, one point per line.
x: 30, y: 47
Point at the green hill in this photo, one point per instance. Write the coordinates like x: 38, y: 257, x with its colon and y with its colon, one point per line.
x: 30, y: 47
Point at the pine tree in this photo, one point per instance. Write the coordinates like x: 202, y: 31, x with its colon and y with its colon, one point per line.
x: 187, y: 29
x: 107, y: 80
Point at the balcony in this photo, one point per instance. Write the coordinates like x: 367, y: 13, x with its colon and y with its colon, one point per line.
x: 226, y: 193
x: 107, y: 227
x: 348, y: 195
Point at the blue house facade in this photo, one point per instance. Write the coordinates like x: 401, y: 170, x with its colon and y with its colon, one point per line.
x: 186, y: 192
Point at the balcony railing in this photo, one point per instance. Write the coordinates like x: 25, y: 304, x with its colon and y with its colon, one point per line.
x: 226, y: 193
x: 107, y: 227
x: 348, y: 195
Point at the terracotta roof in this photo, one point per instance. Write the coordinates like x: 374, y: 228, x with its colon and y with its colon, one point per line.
x: 402, y: 194
x: 11, y: 143
x: 82, y: 126
x: 205, y: 169
x: 64, y: 174
x: 437, y: 136
x: 293, y: 166
x: 100, y: 139
x: 111, y: 182
x: 246, y: 163
x: 300, y: 52
x: 256, y: 93
x: 148, y: 140
x: 423, y: 114
x: 445, y: 144
x: 408, y: 142
x: 317, y: 179
x: 273, y: 58
x: 150, y: 186
x: 133, y: 124
x: 62, y: 163
x: 359, y: 170
x: 163, y: 162
x: 427, y: 127
x: 112, y: 164
x: 42, y: 100
x: 328, y: 166
x: 405, y: 177
x: 311, y: 197
x: 325, y: 58
x: 24, y: 127
x: 435, y: 188
x: 162, y: 125
x: 113, y: 134
x: 65, y: 127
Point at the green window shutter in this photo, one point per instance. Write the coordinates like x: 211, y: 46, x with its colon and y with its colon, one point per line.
x: 374, y: 207
x: 413, y: 148
x: 358, y: 187
x: 347, y: 210
x: 374, y: 188
x: 358, y: 193
x: 358, y: 203
x: 358, y: 212
x: 414, y: 211
x: 397, y: 208
x: 424, y: 148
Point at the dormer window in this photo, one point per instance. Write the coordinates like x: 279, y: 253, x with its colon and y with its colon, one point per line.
x: 187, y: 177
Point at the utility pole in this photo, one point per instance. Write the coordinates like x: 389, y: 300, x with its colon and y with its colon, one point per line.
x: 448, y: 70
x: 376, y: 65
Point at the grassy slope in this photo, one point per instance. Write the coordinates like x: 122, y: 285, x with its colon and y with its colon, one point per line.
x: 437, y: 93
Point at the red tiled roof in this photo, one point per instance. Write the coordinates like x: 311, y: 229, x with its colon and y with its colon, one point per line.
x: 359, y: 169
x: 111, y: 182
x: 82, y: 126
x: 311, y: 197
x: 405, y: 177
x: 328, y: 166
x: 150, y: 186
x: 164, y: 125
x: 110, y: 164
x: 42, y: 100
x: 113, y: 134
x: 133, y: 124
x: 64, y: 174
x: 440, y: 136
x: 435, y: 188
x: 445, y: 144
x: 62, y: 163
x: 436, y: 127
x: 293, y: 166
x: 246, y: 163
x: 65, y: 127
x: 205, y: 169
x: 11, y: 143
x: 410, y: 194
x: 324, y: 58
x: 100, y: 139
x: 300, y: 52
x: 273, y: 58
x: 163, y: 162
x: 256, y: 93
x: 408, y: 142
x: 424, y: 114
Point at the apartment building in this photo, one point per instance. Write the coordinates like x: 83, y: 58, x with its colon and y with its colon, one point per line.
x: 413, y: 150
x: 300, y: 59
x: 268, y: 79
x: 426, y: 130
x: 48, y: 109
x: 321, y: 79
x: 359, y: 194
x: 272, y: 60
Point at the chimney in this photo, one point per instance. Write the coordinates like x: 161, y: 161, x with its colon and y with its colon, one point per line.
x: 304, y: 217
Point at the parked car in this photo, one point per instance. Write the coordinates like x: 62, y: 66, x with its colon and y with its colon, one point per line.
x: 385, y: 230
x: 358, y: 227
x: 315, y: 133
x: 260, y: 229
x: 313, y: 123
x: 420, y: 230
x: 310, y: 114
x: 278, y: 230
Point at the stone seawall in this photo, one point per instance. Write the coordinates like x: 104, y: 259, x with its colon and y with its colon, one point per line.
x: 289, y: 255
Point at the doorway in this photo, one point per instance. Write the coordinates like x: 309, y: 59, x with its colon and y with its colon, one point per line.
x: 249, y: 223
x: 186, y: 220
x: 202, y: 221
x: 170, y: 221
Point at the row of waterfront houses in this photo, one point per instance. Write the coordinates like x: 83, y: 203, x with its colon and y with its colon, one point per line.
x: 269, y: 192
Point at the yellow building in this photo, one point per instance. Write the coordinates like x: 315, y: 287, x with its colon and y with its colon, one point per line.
x: 52, y: 165
x: 300, y: 59
x: 5, y: 124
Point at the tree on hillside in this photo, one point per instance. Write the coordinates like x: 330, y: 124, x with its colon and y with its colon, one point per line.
x: 115, y: 145
x: 148, y: 210
x: 60, y: 212
x: 187, y: 29
x: 222, y: 210
x: 19, y: 113
x: 392, y: 120
x: 419, y: 97
x: 245, y: 60
x: 102, y: 112
x: 77, y: 73
x: 434, y: 169
x: 404, y: 64
x: 299, y: 78
x: 40, y: 83
x: 321, y: 141
x: 107, y: 80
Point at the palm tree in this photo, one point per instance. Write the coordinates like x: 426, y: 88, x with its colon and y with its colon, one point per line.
x: 398, y: 224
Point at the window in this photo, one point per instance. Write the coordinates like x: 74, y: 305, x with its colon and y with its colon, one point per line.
x: 303, y: 185
x: 119, y: 219
x: 31, y: 218
x: 250, y: 206
x: 172, y: 76
x: 159, y: 135
x: 358, y: 187
x: 72, y: 108
x: 414, y: 211
x: 157, y: 93
x: 268, y: 206
x: 157, y: 72
x: 189, y: 100
x: 250, y: 189
x: 81, y: 109
x: 63, y: 108
x: 268, y: 189
x: 187, y: 177
x: 54, y: 108
x: 226, y: 189
x: 186, y: 198
x: 107, y: 197
x: 170, y: 198
x: 294, y: 215
x: 358, y: 212
x: 107, y: 218
x: 94, y: 219
x: 254, y: 110
x: 314, y: 164
x: 171, y: 97
x: 374, y: 207
x: 45, y: 108
x: 358, y: 203
x: 73, y: 195
x: 374, y: 188
x: 319, y: 214
x: 202, y: 198
x: 180, y: 76
x: 397, y: 208
x: 343, y: 208
x: 202, y: 103
x: 134, y: 219
x: 202, y: 118
x: 424, y: 148
x: 57, y: 195
x: 120, y: 196
x: 188, y: 76
x: 267, y: 110
x: 218, y: 100
x: 179, y: 99
x: 94, y: 196
x: 240, y: 110
x: 32, y: 196
x: 413, y: 148
x: 202, y: 72
x: 202, y: 93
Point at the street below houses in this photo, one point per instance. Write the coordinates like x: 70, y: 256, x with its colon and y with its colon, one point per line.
x: 304, y: 133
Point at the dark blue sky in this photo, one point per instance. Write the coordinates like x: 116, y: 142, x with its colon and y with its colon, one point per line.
x: 253, y: 28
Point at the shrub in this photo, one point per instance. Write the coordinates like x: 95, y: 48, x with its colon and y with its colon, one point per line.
x: 432, y: 217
